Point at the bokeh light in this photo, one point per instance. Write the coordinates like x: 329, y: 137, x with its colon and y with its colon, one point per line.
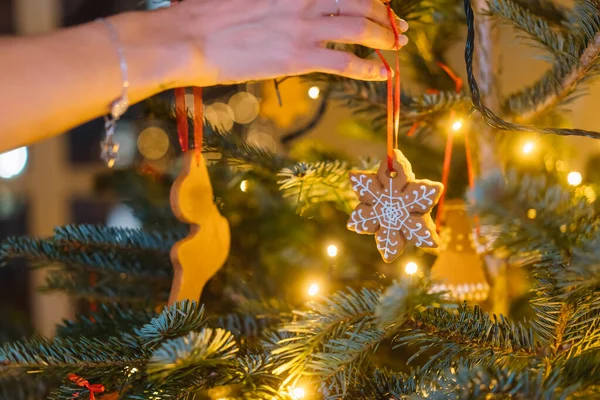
x: 298, y: 393
x: 457, y: 125
x: 220, y: 116
x: 574, y: 178
x: 12, y: 163
x: 245, y: 107
x: 528, y: 147
x: 313, y: 289
x: 244, y: 186
x: 260, y: 137
x: 314, y: 92
x: 411, y: 268
x: 153, y: 143
x: 332, y: 250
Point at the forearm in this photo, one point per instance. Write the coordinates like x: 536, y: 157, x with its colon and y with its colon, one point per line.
x: 53, y: 83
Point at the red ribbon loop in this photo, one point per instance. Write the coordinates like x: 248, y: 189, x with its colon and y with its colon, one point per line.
x: 393, y: 93
x: 181, y: 115
x: 458, y: 83
x: 95, y: 388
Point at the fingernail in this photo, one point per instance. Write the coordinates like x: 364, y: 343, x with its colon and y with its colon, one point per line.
x: 384, y: 72
x: 403, y: 25
x: 402, y: 40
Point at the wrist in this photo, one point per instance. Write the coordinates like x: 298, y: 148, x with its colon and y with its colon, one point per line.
x: 178, y: 32
x: 157, y: 60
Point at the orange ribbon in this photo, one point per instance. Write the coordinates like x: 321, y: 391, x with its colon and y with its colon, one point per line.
x: 393, y: 93
x: 95, y: 388
x: 448, y: 152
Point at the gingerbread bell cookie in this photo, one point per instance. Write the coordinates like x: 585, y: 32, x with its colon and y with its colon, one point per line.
x: 395, y: 207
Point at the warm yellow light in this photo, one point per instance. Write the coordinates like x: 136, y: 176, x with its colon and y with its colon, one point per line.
x: 314, y: 92
x: 245, y: 107
x: 457, y: 125
x: 313, y: 290
x: 528, y: 147
x: 411, y: 268
x: 153, y: 143
x: 574, y: 178
x: 298, y: 393
x: 332, y: 250
x: 244, y: 186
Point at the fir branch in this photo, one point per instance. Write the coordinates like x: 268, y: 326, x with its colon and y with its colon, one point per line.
x: 193, y: 352
x: 111, y: 286
x: 563, y: 218
x: 536, y: 27
x: 132, y: 254
x: 109, y: 320
x: 468, y: 333
x: 576, y: 60
x: 110, y: 237
x: 319, y: 330
x: 492, y: 382
x: 175, y: 320
x: 308, y: 184
x: 41, y: 355
x: 377, y: 384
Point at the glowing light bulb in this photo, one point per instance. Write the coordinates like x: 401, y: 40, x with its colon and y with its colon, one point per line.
x: 314, y: 92
x: 298, y: 393
x: 574, y: 178
x: 313, y: 290
x: 244, y: 186
x: 528, y: 148
x: 13, y: 162
x: 332, y: 250
x: 457, y: 125
x: 411, y: 268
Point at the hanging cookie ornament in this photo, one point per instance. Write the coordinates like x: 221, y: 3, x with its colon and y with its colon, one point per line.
x: 394, y: 206
x: 200, y: 255
x: 459, y: 269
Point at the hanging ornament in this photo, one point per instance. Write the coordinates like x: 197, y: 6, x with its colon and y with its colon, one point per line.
x: 459, y: 269
x: 394, y: 206
x: 199, y: 256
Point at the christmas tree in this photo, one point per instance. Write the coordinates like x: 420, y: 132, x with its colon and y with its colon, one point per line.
x: 283, y: 319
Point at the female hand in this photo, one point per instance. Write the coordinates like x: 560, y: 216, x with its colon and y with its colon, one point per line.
x: 235, y: 40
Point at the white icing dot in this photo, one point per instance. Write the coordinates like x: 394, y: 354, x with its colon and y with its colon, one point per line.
x: 423, y: 188
x: 406, y: 197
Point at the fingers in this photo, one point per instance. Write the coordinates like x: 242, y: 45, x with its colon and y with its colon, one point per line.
x: 346, y: 64
x: 375, y: 10
x: 356, y: 30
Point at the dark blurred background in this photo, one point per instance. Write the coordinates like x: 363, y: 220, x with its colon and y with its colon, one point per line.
x: 69, y: 163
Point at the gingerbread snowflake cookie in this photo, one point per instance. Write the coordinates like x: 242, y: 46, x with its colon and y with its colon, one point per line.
x: 395, y: 208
